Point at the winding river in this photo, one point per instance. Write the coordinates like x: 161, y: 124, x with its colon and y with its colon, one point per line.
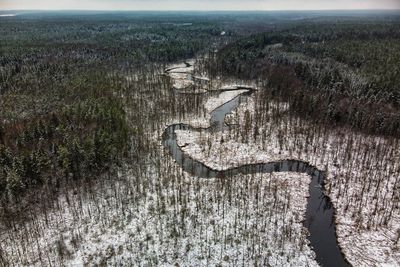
x: 319, y: 217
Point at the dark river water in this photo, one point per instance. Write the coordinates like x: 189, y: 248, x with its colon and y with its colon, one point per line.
x: 319, y: 219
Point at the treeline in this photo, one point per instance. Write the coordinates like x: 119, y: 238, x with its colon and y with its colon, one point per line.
x: 337, y: 73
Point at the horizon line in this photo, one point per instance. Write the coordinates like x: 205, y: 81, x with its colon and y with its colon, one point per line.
x: 204, y: 10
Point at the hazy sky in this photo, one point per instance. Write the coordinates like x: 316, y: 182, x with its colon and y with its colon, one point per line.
x: 199, y: 4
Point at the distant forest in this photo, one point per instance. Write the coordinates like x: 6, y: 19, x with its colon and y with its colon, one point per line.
x: 340, y: 72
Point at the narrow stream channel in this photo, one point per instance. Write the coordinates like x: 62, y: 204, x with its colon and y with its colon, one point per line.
x: 319, y: 218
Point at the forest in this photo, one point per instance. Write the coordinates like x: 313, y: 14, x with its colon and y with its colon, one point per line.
x: 62, y: 113
x: 335, y: 72
x: 200, y: 138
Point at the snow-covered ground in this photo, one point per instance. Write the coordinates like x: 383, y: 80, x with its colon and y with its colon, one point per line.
x: 203, y: 229
x: 234, y: 86
x: 184, y: 77
x: 174, y: 66
x: 180, y: 75
x: 219, y: 152
x: 203, y: 120
x: 214, y: 102
x: 167, y: 220
x: 365, y: 242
